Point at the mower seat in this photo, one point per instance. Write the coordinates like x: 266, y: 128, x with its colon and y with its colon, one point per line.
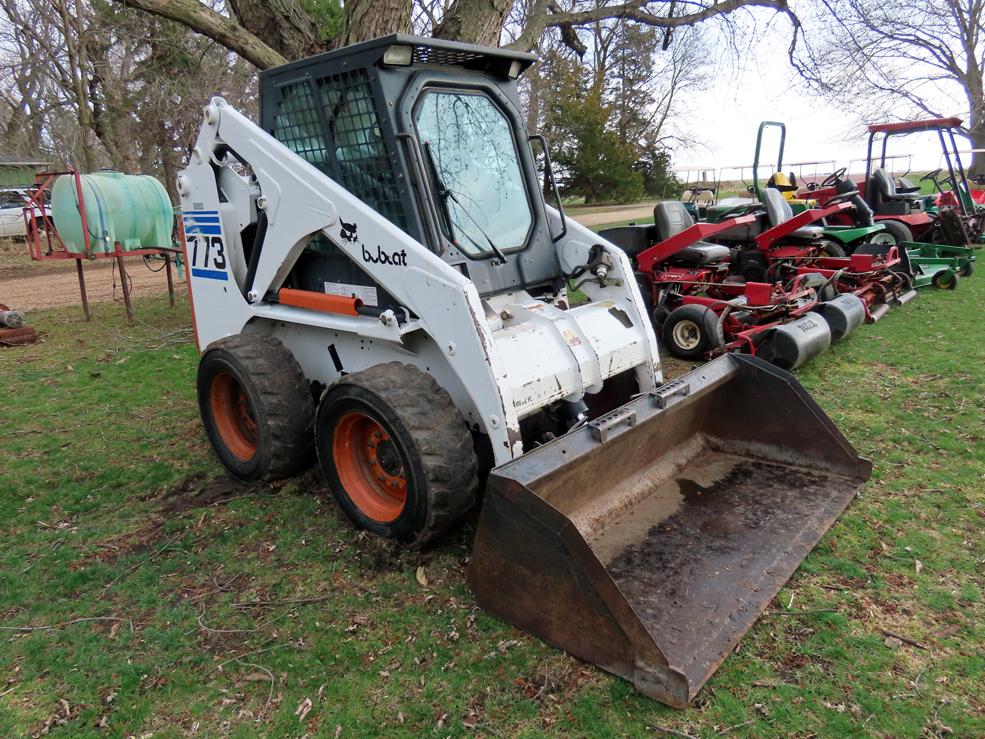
x: 778, y: 211
x: 886, y: 201
x: 700, y: 254
x: 669, y: 219
x: 906, y: 187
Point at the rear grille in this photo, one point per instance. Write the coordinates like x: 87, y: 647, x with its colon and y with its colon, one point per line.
x: 428, y: 55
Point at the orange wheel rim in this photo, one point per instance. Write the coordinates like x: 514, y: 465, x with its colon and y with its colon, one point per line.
x: 370, y: 467
x: 233, y: 416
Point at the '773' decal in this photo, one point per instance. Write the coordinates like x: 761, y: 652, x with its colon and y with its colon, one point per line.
x: 206, y: 250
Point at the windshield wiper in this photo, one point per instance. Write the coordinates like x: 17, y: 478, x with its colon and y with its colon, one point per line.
x: 446, y: 193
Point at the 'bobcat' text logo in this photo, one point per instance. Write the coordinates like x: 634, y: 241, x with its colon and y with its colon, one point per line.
x: 397, y: 258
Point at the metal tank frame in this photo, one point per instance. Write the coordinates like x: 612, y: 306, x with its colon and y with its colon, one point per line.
x: 45, y: 244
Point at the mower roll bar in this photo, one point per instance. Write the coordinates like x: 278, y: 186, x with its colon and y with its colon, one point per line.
x: 759, y: 145
x: 769, y: 237
x: 945, y: 132
x: 647, y: 259
x: 928, y: 124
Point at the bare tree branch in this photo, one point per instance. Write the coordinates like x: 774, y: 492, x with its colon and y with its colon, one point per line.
x: 217, y: 27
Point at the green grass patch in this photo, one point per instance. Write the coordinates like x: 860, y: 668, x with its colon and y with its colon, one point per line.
x: 114, y: 509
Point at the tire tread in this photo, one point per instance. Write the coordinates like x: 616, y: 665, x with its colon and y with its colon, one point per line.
x: 286, y: 395
x: 440, y: 434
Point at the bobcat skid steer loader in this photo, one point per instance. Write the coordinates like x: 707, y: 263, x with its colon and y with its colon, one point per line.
x: 377, y: 278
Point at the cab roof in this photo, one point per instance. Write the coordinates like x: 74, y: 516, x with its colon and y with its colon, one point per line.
x: 425, y: 52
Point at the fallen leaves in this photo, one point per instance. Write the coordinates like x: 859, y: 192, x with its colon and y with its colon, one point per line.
x: 59, y: 718
x: 502, y: 647
x: 422, y: 577
x: 303, y: 709
x: 255, y: 677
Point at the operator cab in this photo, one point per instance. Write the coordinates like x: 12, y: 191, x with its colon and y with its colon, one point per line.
x: 429, y: 133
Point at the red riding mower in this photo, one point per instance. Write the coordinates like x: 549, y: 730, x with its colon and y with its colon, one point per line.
x: 700, y: 309
x: 793, y: 245
x: 905, y: 213
x: 937, y: 263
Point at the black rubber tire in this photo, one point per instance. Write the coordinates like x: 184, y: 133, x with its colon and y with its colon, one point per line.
x: 751, y: 265
x: 33, y: 230
x: 967, y: 269
x: 703, y: 319
x: 433, y: 440
x: 280, y: 403
x: 831, y: 248
x: 646, y: 292
x: 900, y: 231
x: 945, y: 279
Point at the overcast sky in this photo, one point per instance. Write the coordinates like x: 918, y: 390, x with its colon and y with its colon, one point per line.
x: 726, y: 115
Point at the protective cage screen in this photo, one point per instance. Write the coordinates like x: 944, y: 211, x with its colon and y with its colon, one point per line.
x: 339, y: 132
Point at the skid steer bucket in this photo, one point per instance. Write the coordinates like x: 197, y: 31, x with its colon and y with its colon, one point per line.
x: 649, y: 541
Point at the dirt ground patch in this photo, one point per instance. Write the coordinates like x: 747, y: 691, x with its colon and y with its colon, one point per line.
x: 56, y: 284
x: 597, y: 216
x: 198, y: 491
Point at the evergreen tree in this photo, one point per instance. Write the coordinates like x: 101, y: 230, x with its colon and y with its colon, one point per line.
x: 590, y: 158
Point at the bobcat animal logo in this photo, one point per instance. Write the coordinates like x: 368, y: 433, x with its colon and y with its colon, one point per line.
x: 348, y: 232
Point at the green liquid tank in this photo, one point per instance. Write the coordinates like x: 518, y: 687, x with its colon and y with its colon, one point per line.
x: 133, y: 211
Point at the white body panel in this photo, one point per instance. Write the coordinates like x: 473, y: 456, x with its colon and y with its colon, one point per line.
x: 12, y: 204
x: 500, y: 360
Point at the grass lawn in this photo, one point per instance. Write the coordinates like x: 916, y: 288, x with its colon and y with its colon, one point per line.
x: 140, y: 591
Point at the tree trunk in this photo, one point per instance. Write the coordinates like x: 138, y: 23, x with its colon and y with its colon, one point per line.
x: 283, y: 24
x: 976, y: 163
x: 368, y: 19
x: 474, y: 21
x: 228, y: 32
x: 78, y: 63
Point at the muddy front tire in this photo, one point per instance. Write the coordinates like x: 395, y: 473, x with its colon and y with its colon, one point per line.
x: 691, y: 331
x: 256, y: 407
x: 396, y: 453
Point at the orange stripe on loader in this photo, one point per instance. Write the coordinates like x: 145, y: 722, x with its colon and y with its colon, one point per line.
x: 345, y: 306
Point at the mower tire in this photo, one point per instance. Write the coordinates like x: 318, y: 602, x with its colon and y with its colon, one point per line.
x: 899, y: 231
x: 831, y: 249
x: 945, y: 279
x: 646, y: 292
x: 690, y: 331
x: 967, y: 269
x: 256, y: 407
x: 396, y: 453
x: 751, y: 265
